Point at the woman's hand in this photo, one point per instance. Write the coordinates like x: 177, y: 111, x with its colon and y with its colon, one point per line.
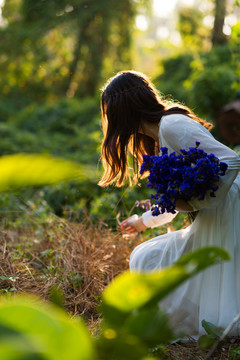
x: 133, y: 224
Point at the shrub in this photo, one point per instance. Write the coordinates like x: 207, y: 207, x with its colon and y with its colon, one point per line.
x: 205, y: 82
x: 175, y: 71
x: 211, y: 82
x: 61, y: 117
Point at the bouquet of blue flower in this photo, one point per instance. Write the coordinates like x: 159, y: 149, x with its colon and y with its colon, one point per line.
x: 188, y: 175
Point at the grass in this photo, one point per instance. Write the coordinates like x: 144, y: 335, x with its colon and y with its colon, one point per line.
x: 78, y: 260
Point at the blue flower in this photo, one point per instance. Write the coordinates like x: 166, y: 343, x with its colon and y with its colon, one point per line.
x: 188, y: 175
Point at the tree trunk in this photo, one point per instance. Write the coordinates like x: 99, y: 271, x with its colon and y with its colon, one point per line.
x: 218, y: 37
x: 76, y: 55
x: 73, y: 65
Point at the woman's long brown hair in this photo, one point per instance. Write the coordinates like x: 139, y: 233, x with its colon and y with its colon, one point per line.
x: 127, y: 99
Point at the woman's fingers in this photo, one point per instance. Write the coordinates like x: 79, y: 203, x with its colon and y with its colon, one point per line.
x: 123, y: 223
x: 130, y: 229
x: 125, y: 226
x: 133, y: 224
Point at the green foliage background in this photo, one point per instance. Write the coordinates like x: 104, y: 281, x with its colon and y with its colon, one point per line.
x: 55, y: 57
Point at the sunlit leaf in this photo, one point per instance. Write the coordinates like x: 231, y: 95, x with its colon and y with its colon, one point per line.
x: 44, y: 330
x: 131, y: 291
x: 22, y: 170
x: 15, y: 346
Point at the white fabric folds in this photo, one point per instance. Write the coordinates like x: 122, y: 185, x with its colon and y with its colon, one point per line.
x: 214, y: 294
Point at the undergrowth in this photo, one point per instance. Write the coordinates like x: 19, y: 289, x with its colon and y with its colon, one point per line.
x: 78, y: 259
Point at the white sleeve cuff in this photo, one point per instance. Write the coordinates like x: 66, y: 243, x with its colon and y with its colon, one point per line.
x: 153, y: 221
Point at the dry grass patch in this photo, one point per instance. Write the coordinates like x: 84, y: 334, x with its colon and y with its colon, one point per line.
x: 80, y: 259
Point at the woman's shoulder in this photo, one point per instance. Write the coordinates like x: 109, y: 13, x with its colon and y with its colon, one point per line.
x: 171, y: 119
x: 176, y: 122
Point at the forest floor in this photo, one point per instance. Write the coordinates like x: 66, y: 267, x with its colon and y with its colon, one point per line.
x: 191, y: 351
x: 79, y: 260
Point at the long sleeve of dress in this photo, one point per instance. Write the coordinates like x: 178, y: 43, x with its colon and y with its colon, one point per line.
x: 153, y: 221
x: 181, y: 132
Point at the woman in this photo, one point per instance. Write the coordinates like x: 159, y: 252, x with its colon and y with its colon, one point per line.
x: 135, y: 119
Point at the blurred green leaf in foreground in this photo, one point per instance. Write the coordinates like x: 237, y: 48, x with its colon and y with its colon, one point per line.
x: 23, y: 170
x: 30, y: 329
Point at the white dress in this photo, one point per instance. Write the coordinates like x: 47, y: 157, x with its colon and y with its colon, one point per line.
x: 214, y: 294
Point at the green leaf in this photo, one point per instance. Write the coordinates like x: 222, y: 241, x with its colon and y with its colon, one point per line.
x: 11, y: 278
x: 150, y: 325
x: 212, y: 329
x: 47, y: 330
x: 2, y: 277
x: 235, y: 353
x: 22, y: 170
x: 206, y: 342
x: 203, y: 258
x: 131, y: 291
x: 114, y: 346
x: 56, y: 296
x: 14, y: 345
